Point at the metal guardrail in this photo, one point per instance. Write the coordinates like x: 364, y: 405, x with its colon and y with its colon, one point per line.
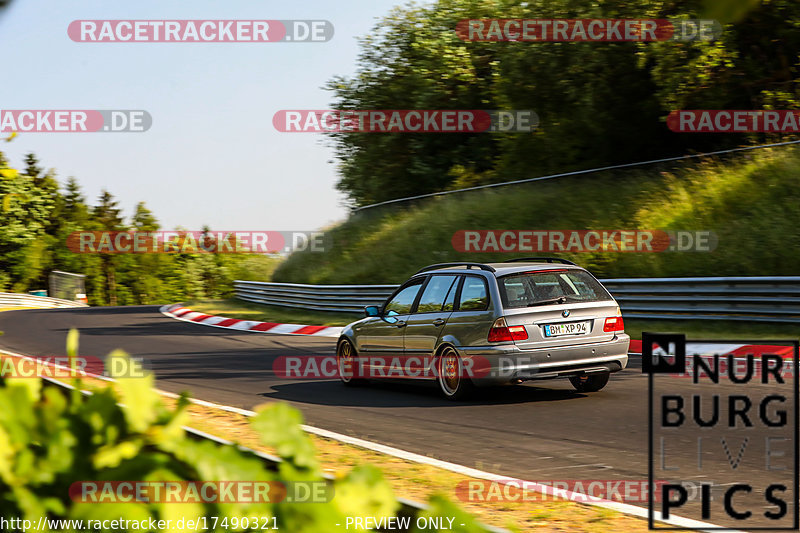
x: 760, y: 299
x: 11, y: 299
x: 342, y: 298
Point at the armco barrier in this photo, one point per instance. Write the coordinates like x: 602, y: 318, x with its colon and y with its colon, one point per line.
x: 761, y: 299
x: 342, y: 298
x: 10, y: 299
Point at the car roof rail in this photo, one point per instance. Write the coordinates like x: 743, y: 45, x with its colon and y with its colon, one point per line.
x: 464, y: 264
x: 540, y: 260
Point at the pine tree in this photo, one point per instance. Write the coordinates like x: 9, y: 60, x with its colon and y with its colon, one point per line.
x: 144, y: 275
x: 75, y: 208
x: 106, y: 214
x: 143, y: 219
x: 32, y: 167
x: 107, y: 217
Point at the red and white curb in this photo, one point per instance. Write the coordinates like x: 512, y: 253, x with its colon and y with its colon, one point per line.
x: 179, y: 312
x: 723, y: 348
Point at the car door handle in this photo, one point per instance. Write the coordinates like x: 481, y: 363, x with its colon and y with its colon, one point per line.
x: 438, y: 322
x: 400, y: 324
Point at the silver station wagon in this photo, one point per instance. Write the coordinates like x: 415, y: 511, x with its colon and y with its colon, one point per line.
x: 468, y: 324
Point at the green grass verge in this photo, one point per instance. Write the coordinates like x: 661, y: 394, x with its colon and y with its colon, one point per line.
x: 751, y: 202
x: 233, y: 308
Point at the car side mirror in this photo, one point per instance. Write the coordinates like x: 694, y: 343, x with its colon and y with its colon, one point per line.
x: 372, y: 310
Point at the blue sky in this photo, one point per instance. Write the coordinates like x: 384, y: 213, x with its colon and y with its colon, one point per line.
x: 212, y: 155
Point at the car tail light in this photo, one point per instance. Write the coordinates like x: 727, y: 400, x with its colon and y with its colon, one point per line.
x: 613, y: 323
x: 502, y: 332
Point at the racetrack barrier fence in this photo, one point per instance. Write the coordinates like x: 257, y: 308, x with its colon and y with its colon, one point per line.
x: 11, y: 299
x: 752, y: 298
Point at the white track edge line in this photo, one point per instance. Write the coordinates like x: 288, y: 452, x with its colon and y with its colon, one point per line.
x: 575, y: 497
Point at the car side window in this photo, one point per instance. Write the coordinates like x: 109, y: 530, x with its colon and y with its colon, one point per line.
x: 474, y: 294
x: 450, y: 300
x: 435, y: 293
x: 402, y: 302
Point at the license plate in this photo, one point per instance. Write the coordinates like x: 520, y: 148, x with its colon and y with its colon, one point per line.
x: 572, y: 328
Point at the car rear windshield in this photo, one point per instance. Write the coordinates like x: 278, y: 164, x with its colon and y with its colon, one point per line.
x: 528, y: 289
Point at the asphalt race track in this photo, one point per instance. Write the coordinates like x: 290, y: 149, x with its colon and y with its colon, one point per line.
x: 535, y: 432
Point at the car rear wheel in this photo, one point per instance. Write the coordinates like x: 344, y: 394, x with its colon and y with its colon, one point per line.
x: 346, y: 361
x: 592, y: 383
x: 453, y: 382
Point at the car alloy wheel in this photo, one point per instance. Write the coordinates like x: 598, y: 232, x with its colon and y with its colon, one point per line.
x: 452, y: 382
x: 346, y: 362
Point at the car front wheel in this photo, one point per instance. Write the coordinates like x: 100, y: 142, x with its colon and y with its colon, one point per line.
x: 346, y: 361
x: 592, y: 383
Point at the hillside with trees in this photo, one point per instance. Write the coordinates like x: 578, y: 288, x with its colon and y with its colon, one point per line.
x: 39, y: 213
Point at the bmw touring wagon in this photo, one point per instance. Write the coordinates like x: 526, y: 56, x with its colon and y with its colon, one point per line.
x: 473, y: 324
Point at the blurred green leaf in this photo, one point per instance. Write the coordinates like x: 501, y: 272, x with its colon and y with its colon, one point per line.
x: 278, y: 426
x: 138, y: 397
x: 364, y: 492
x: 112, y: 455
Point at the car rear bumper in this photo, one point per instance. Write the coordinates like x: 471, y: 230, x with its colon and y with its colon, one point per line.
x: 509, y: 364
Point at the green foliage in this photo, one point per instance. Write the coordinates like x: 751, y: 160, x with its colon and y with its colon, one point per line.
x: 51, y: 438
x: 24, y: 213
x: 36, y: 218
x: 752, y: 203
x: 598, y: 104
x: 279, y: 428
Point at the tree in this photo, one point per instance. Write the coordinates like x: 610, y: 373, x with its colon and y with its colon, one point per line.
x: 25, y: 211
x: 32, y: 167
x: 753, y: 65
x: 106, y: 216
x: 145, y: 272
x: 75, y: 209
x: 143, y: 219
x: 73, y: 216
x: 599, y: 104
